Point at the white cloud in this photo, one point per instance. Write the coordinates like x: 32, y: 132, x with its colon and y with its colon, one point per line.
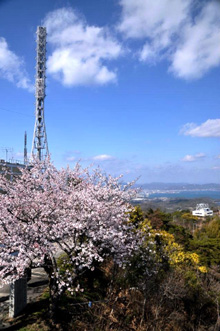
x: 71, y: 158
x: 146, y: 18
x: 216, y: 168
x: 157, y: 22
x: 102, y: 157
x: 190, y: 172
x: 81, y: 52
x: 12, y: 67
x: 187, y: 36
x: 210, y: 128
x: 192, y: 158
x: 198, y: 50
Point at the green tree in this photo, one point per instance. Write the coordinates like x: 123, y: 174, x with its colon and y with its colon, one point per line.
x: 136, y: 216
x: 206, y: 243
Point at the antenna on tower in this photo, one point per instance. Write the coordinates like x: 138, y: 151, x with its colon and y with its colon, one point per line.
x: 25, y: 148
x: 39, y: 144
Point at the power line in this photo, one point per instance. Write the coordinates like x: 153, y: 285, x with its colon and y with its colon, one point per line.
x: 16, y: 112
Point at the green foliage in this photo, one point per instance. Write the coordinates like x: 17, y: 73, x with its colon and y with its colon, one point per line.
x: 164, y: 221
x: 191, y: 280
x: 182, y: 235
x: 206, y: 243
x: 159, y: 219
x: 208, y: 249
x: 210, y: 230
x: 189, y: 217
x: 136, y: 216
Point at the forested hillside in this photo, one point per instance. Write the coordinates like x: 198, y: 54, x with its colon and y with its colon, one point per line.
x: 171, y: 283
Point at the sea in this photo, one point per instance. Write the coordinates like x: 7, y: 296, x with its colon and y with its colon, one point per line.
x: 215, y: 195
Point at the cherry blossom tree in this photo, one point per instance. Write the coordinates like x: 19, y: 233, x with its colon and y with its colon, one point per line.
x: 80, y: 213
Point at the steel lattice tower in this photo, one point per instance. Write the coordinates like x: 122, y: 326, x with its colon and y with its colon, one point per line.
x: 39, y: 144
x: 25, y: 148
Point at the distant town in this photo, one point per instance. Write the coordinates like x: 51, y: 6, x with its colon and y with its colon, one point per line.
x: 172, y: 196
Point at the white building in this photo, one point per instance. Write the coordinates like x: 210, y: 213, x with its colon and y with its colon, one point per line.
x: 202, y: 210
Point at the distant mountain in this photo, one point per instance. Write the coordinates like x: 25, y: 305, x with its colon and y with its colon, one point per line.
x: 179, y: 186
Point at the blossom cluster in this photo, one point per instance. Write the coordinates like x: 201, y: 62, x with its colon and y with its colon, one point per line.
x: 80, y: 212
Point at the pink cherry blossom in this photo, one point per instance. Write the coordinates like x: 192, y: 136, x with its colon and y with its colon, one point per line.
x: 45, y: 212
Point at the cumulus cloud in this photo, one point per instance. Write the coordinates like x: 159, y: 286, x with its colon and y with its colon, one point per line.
x: 12, y: 67
x: 193, y: 158
x: 102, y: 157
x: 199, y: 47
x: 81, y: 52
x: 157, y: 20
x: 175, y: 30
x: 210, y: 128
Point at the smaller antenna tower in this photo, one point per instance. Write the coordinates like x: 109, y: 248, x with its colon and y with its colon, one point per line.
x: 25, y: 148
x: 39, y: 145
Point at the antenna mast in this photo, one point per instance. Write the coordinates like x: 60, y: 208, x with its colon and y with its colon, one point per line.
x: 25, y: 148
x: 39, y: 144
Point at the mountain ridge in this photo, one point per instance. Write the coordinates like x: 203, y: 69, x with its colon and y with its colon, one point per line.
x: 178, y: 186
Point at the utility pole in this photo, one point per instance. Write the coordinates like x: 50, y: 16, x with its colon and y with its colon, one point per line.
x: 6, y: 150
x: 39, y: 144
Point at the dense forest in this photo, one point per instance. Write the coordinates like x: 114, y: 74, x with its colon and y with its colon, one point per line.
x: 172, y: 283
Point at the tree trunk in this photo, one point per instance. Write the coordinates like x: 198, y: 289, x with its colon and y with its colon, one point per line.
x: 53, y: 288
x: 54, y: 298
x: 143, y: 318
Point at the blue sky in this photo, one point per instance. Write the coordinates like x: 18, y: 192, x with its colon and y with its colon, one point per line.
x: 132, y: 85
